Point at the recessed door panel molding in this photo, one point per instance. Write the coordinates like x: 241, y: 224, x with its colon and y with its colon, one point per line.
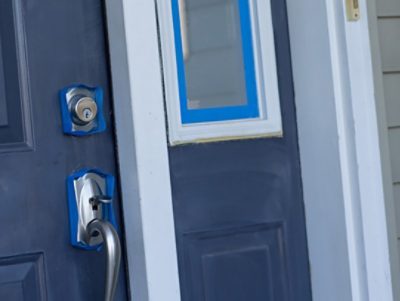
x: 220, y: 72
x: 3, y: 104
x: 23, y: 277
x: 15, y: 118
x: 220, y: 256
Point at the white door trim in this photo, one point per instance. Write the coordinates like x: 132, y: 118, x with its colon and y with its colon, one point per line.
x: 344, y: 198
x: 142, y: 149
x: 341, y: 162
x: 373, y: 218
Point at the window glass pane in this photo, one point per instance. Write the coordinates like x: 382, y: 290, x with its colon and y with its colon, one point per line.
x: 213, y: 53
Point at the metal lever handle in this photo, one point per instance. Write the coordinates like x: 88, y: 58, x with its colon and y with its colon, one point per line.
x: 113, y: 251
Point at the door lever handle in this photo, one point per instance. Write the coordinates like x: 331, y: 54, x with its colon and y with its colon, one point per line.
x: 113, y: 250
x: 92, y: 220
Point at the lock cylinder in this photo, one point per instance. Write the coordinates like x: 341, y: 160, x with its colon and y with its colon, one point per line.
x: 82, y: 110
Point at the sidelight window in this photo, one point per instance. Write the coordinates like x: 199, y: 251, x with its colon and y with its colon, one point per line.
x: 219, y: 69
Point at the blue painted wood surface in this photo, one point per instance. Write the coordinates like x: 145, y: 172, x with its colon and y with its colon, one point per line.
x: 60, y: 43
x: 238, y: 206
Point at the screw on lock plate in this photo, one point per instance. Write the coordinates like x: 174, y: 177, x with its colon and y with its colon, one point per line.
x: 82, y: 110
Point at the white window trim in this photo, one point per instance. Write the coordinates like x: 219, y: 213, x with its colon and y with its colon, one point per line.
x: 344, y: 204
x: 268, y: 124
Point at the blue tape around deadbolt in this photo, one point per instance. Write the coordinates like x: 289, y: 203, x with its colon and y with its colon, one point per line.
x: 67, y: 122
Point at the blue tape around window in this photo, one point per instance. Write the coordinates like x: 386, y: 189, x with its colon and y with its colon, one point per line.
x: 99, y: 124
x: 251, y: 109
x: 108, y: 213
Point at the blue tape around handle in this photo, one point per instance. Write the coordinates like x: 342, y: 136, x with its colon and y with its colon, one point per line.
x: 108, y: 212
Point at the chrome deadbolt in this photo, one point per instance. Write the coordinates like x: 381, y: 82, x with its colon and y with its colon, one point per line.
x: 84, y: 109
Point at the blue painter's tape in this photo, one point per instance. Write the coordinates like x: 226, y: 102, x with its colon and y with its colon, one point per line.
x: 108, y: 209
x: 67, y: 122
x: 251, y: 109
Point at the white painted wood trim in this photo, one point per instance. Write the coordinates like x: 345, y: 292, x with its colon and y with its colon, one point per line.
x: 373, y: 219
x: 347, y: 150
x: 269, y: 124
x: 339, y: 146
x: 319, y: 150
x: 142, y: 150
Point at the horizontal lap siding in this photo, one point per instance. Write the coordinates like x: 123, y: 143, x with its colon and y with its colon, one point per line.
x: 389, y: 36
x: 388, y: 8
x: 391, y: 84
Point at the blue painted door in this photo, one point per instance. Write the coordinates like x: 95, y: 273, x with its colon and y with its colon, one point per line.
x: 46, y: 45
x: 238, y: 207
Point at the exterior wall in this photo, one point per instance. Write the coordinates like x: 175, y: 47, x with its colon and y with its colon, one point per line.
x: 388, y: 20
x: 384, y: 21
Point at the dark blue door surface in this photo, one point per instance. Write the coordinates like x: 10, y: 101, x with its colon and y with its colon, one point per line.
x: 238, y: 206
x: 46, y: 45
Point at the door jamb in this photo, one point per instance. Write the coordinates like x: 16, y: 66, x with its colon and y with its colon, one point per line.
x: 142, y: 150
x: 372, y: 216
x: 341, y: 159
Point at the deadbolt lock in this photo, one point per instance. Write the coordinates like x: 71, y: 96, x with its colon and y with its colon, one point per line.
x: 82, y: 110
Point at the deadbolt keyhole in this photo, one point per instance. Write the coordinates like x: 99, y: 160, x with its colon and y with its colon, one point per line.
x: 84, y: 109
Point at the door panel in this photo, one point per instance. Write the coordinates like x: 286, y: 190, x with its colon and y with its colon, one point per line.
x: 245, y: 259
x: 238, y: 208
x: 14, y: 103
x: 22, y: 276
x: 47, y: 45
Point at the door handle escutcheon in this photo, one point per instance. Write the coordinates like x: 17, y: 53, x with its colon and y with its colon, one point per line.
x: 112, y: 248
x: 92, y: 221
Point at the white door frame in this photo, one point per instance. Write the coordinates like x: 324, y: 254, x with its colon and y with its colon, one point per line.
x: 341, y: 158
x: 342, y: 172
x: 142, y: 150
